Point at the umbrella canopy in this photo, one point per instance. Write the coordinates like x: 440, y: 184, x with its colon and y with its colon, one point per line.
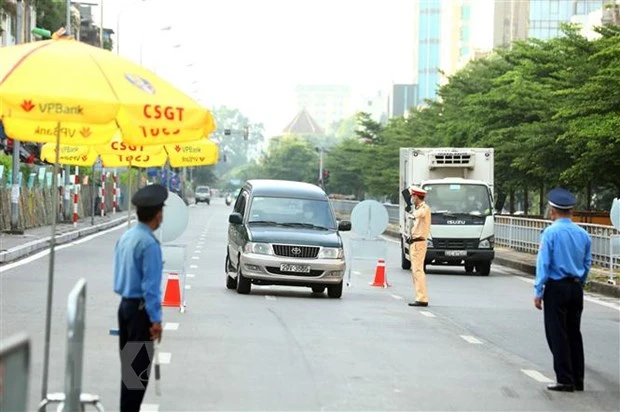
x: 84, y: 95
x: 118, y: 154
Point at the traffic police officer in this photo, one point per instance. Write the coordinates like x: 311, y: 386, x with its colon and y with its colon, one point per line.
x: 138, y: 270
x: 562, y: 266
x: 420, y: 231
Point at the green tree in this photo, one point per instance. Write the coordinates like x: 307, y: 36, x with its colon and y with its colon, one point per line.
x: 291, y: 158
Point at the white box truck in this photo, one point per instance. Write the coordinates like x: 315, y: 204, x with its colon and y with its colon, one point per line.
x: 459, y: 191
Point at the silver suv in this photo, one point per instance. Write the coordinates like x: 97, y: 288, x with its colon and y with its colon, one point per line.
x: 284, y: 233
x: 203, y: 194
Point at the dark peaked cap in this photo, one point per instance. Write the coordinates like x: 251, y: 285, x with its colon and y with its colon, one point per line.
x: 150, y: 196
x: 561, y: 199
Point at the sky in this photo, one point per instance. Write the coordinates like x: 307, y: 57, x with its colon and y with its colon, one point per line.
x: 250, y: 54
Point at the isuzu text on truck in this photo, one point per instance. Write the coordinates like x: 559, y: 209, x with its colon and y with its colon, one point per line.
x: 459, y: 190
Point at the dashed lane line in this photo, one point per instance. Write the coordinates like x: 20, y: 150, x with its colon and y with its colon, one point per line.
x: 193, y: 266
x: 171, y: 326
x: 471, y: 339
x: 397, y: 297
x: 590, y: 299
x: 190, y: 275
x: 188, y: 286
x: 537, y: 376
x: 165, y: 358
x: 427, y: 314
x: 195, y: 257
x: 150, y: 407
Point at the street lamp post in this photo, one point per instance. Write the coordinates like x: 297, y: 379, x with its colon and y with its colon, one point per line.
x: 16, y: 143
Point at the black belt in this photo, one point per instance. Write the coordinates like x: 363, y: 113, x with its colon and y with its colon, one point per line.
x: 417, y: 239
x: 137, y: 300
x: 569, y: 279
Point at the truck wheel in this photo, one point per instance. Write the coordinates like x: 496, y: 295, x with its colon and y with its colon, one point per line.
x: 404, y: 262
x: 483, y: 268
x: 469, y: 268
x: 335, y: 291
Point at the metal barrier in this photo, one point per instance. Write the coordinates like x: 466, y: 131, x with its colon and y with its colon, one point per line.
x: 520, y: 233
x: 73, y: 399
x: 14, y: 373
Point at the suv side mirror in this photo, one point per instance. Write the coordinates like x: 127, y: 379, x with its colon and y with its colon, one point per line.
x: 235, y: 218
x: 344, y: 225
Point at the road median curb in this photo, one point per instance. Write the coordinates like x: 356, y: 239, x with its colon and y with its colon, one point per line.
x: 29, y: 248
x: 530, y: 270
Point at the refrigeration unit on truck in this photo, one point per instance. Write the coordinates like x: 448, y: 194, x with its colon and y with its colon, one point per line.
x: 459, y: 190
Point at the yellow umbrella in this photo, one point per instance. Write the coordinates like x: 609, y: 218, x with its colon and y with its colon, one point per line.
x: 68, y: 92
x: 69, y: 155
x: 83, y: 94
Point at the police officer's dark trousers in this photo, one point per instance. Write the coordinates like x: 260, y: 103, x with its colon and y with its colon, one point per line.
x: 136, y: 352
x: 563, y: 305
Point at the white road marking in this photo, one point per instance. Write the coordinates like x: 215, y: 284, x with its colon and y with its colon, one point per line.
x: 188, y: 286
x: 269, y: 297
x: 355, y: 272
x: 197, y: 251
x: 201, y: 243
x: 164, y: 358
x: 471, y: 339
x: 46, y: 252
x: 397, y: 297
x: 195, y: 257
x: 590, y: 299
x: 193, y: 266
x: 427, y: 314
x: 171, y: 326
x: 190, y: 275
x: 149, y: 407
x: 537, y: 376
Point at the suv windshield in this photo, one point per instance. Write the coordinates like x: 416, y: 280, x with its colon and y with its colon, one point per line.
x: 458, y: 199
x: 292, y: 212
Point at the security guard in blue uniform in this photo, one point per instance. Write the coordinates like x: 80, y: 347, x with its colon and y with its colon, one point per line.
x: 138, y: 270
x: 562, y: 267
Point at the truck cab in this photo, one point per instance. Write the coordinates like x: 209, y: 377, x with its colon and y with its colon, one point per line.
x: 459, y: 190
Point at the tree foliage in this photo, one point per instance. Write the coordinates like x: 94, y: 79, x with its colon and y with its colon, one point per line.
x: 550, y: 109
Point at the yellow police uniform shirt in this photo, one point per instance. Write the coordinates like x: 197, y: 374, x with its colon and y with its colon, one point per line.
x: 422, y: 222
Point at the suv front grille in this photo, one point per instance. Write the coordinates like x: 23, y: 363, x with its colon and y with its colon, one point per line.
x: 459, y: 244
x: 296, y: 251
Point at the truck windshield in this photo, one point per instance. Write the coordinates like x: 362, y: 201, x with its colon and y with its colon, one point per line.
x: 290, y: 211
x: 458, y: 199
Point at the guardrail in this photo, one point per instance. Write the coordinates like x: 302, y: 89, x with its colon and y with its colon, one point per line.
x: 521, y: 234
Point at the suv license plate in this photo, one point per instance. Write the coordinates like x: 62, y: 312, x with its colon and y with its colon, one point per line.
x: 295, y: 268
x: 456, y: 253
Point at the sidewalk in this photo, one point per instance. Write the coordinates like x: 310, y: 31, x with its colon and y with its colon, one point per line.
x: 14, y: 247
x: 526, y: 262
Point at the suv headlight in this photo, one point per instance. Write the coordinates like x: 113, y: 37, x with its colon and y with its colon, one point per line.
x: 258, y: 248
x: 331, y: 253
x: 487, y: 243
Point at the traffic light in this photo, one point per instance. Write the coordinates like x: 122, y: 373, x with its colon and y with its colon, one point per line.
x: 246, y: 133
x: 226, y: 132
x: 325, y: 176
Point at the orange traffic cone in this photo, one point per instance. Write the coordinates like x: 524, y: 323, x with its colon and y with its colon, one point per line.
x: 380, y: 278
x: 172, y: 294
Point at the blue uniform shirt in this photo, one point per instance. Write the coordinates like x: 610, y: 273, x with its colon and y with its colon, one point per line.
x: 138, y: 268
x: 565, y: 250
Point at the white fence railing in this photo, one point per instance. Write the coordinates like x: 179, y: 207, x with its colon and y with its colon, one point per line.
x: 521, y: 234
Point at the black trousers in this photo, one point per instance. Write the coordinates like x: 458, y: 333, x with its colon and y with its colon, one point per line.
x: 563, y: 305
x: 136, y: 352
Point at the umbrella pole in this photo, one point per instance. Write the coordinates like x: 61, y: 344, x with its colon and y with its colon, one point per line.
x: 129, y: 196
x: 50, y: 278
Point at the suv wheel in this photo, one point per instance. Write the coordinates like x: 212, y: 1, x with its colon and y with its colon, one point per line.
x: 231, y: 283
x: 318, y: 288
x: 335, y: 291
x: 244, y: 285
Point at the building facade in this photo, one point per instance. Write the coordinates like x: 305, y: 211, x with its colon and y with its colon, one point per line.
x: 546, y: 16
x: 327, y: 104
